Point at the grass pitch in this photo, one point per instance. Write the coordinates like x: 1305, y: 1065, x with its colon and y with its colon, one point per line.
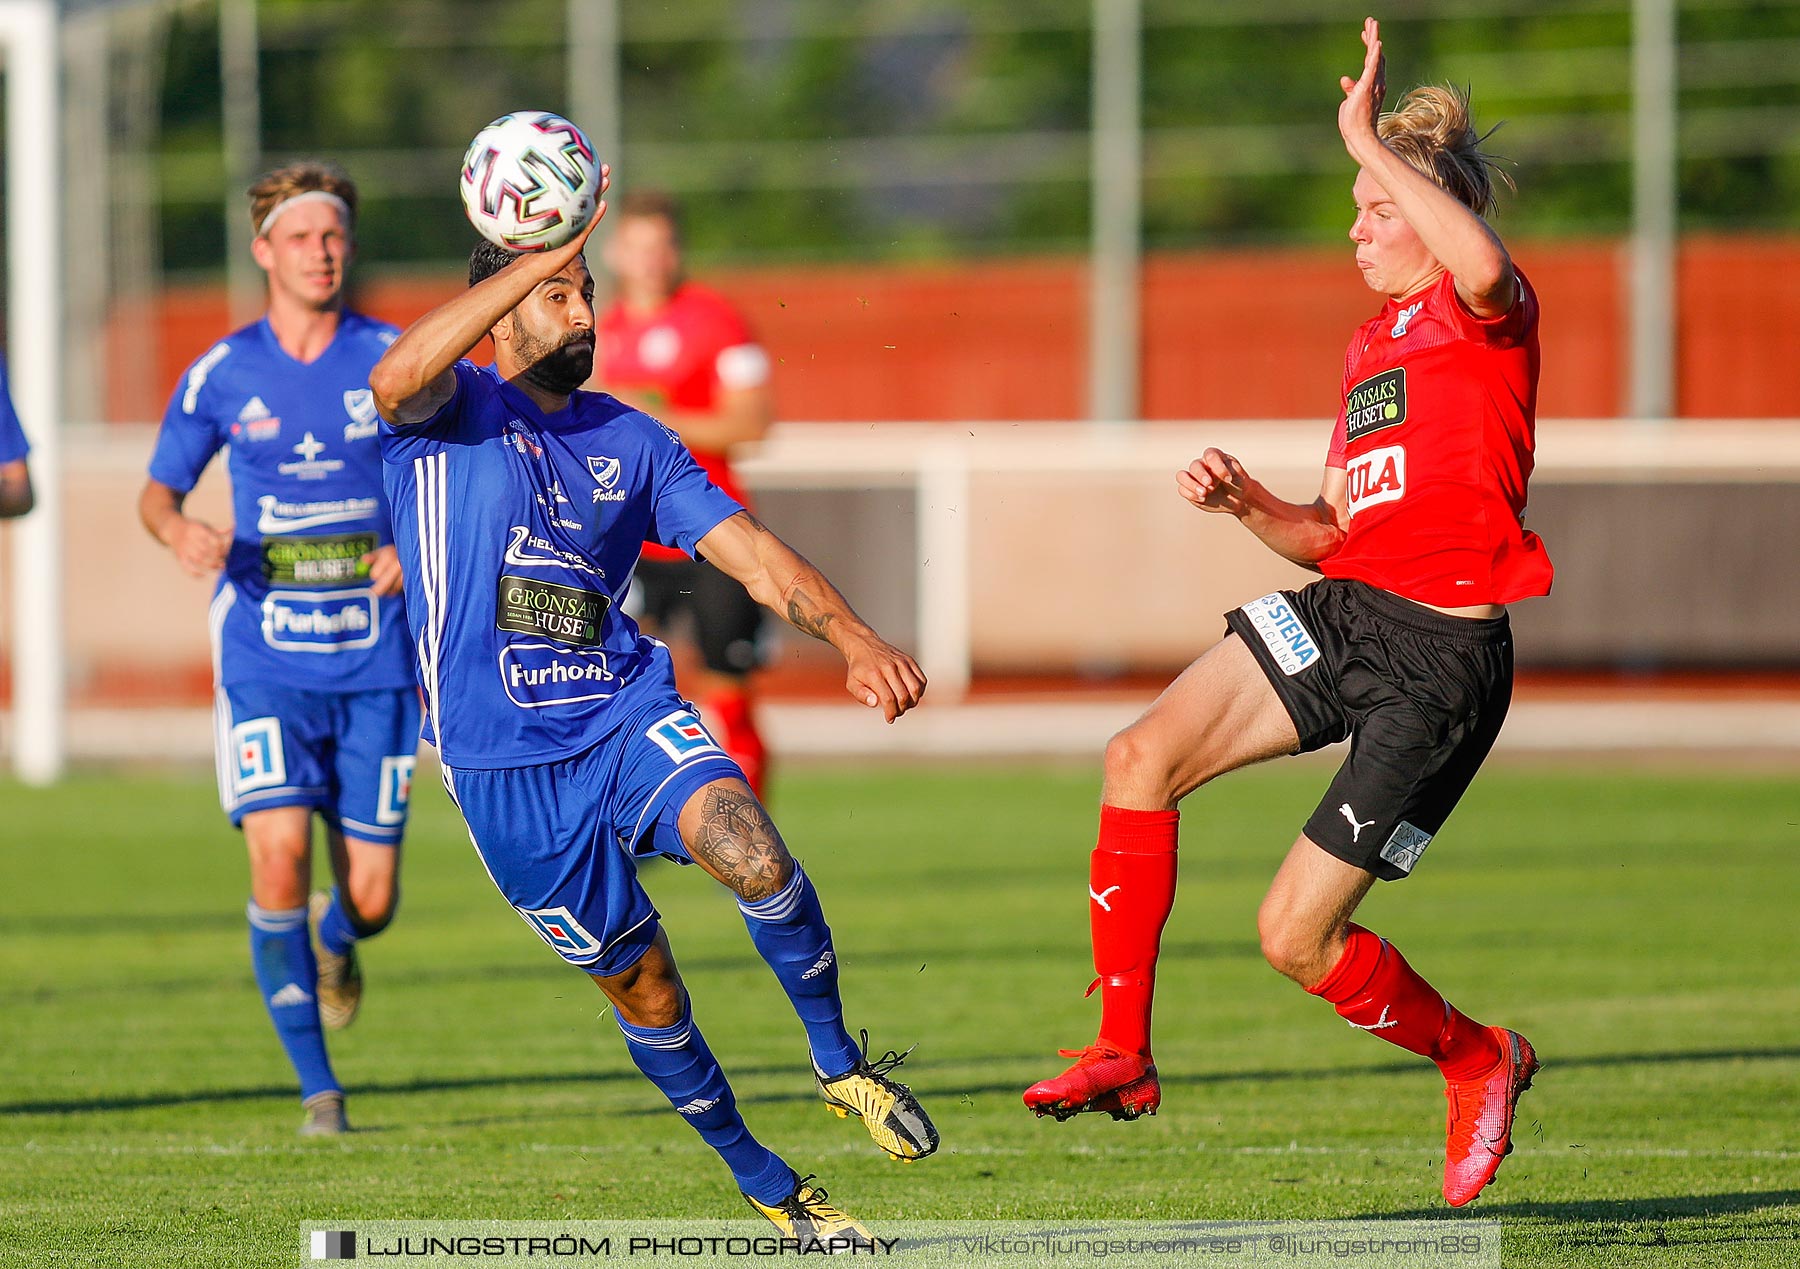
x: 1639, y: 928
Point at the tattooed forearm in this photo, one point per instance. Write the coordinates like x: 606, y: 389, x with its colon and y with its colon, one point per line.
x: 736, y: 842
x: 805, y: 614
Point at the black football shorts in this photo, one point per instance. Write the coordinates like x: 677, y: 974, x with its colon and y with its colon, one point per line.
x: 1420, y: 695
x: 727, y: 622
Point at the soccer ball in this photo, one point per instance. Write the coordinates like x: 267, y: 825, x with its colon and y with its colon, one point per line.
x: 530, y: 181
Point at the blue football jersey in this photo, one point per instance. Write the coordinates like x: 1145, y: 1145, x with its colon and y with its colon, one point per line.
x: 12, y: 436
x: 519, y: 532
x: 294, y: 602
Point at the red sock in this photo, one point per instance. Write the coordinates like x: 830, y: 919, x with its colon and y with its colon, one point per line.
x: 1375, y: 990
x: 1131, y: 880
x: 731, y: 709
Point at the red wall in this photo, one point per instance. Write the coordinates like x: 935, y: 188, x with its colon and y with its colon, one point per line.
x: 1737, y: 314
x: 1245, y: 334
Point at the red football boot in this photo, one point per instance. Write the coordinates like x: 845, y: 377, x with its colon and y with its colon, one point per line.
x: 1104, y: 1078
x: 1481, y: 1118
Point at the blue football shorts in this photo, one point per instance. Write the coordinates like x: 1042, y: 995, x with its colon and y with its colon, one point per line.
x: 561, y: 839
x: 347, y: 755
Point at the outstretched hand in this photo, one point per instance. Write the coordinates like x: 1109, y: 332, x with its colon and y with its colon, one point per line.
x: 550, y: 262
x: 1216, y: 482
x: 1360, y: 110
x: 575, y: 245
x: 883, y: 677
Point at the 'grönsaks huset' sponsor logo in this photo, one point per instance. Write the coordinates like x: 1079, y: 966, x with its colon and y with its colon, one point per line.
x: 567, y: 614
x: 1377, y: 402
x: 1282, y: 632
x: 539, y: 674
x: 320, y: 621
x: 321, y: 561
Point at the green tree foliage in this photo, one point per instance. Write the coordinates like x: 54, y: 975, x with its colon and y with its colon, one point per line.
x: 926, y: 128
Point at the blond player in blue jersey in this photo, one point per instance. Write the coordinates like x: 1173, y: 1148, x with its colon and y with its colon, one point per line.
x: 317, y: 712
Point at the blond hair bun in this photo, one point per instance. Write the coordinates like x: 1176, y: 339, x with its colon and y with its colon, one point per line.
x: 1432, y: 129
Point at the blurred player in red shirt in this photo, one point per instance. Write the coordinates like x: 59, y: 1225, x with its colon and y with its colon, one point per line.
x: 1404, y: 647
x: 681, y: 353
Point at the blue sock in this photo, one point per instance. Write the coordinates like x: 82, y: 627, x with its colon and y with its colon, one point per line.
x: 336, y: 934
x: 789, y: 930
x: 676, y: 1060
x: 288, y: 976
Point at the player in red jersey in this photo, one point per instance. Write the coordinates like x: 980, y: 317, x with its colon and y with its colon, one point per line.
x: 682, y: 352
x: 1403, y: 647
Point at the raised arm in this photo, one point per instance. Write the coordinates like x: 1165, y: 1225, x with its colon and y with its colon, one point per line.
x: 1302, y: 532
x: 1460, y: 240
x: 414, y: 378
x: 880, y: 675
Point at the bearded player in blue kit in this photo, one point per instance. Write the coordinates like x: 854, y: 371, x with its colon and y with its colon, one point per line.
x: 520, y: 507
x: 316, y: 707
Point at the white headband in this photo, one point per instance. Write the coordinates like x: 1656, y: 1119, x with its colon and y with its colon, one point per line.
x: 310, y: 196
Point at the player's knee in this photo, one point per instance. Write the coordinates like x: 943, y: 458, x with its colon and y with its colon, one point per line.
x: 1138, y: 768
x: 1125, y: 753
x: 651, y: 1000
x: 372, y: 906
x: 728, y: 832
x: 663, y: 1006
x: 755, y: 887
x: 280, y: 868
x: 277, y: 847
x: 373, y: 892
x: 1291, y: 952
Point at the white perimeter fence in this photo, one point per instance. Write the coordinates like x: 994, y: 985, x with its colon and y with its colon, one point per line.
x: 1053, y: 548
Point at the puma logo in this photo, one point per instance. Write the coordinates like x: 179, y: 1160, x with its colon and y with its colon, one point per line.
x: 1101, y: 898
x: 1380, y: 1024
x: 1356, y: 827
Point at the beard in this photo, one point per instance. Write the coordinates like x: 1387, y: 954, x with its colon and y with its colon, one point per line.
x: 560, y: 368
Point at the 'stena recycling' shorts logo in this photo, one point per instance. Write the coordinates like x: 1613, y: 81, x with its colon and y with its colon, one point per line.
x: 1377, y: 402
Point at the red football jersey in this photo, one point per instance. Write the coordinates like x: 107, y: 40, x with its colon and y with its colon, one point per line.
x: 1435, y: 435
x: 678, y: 358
